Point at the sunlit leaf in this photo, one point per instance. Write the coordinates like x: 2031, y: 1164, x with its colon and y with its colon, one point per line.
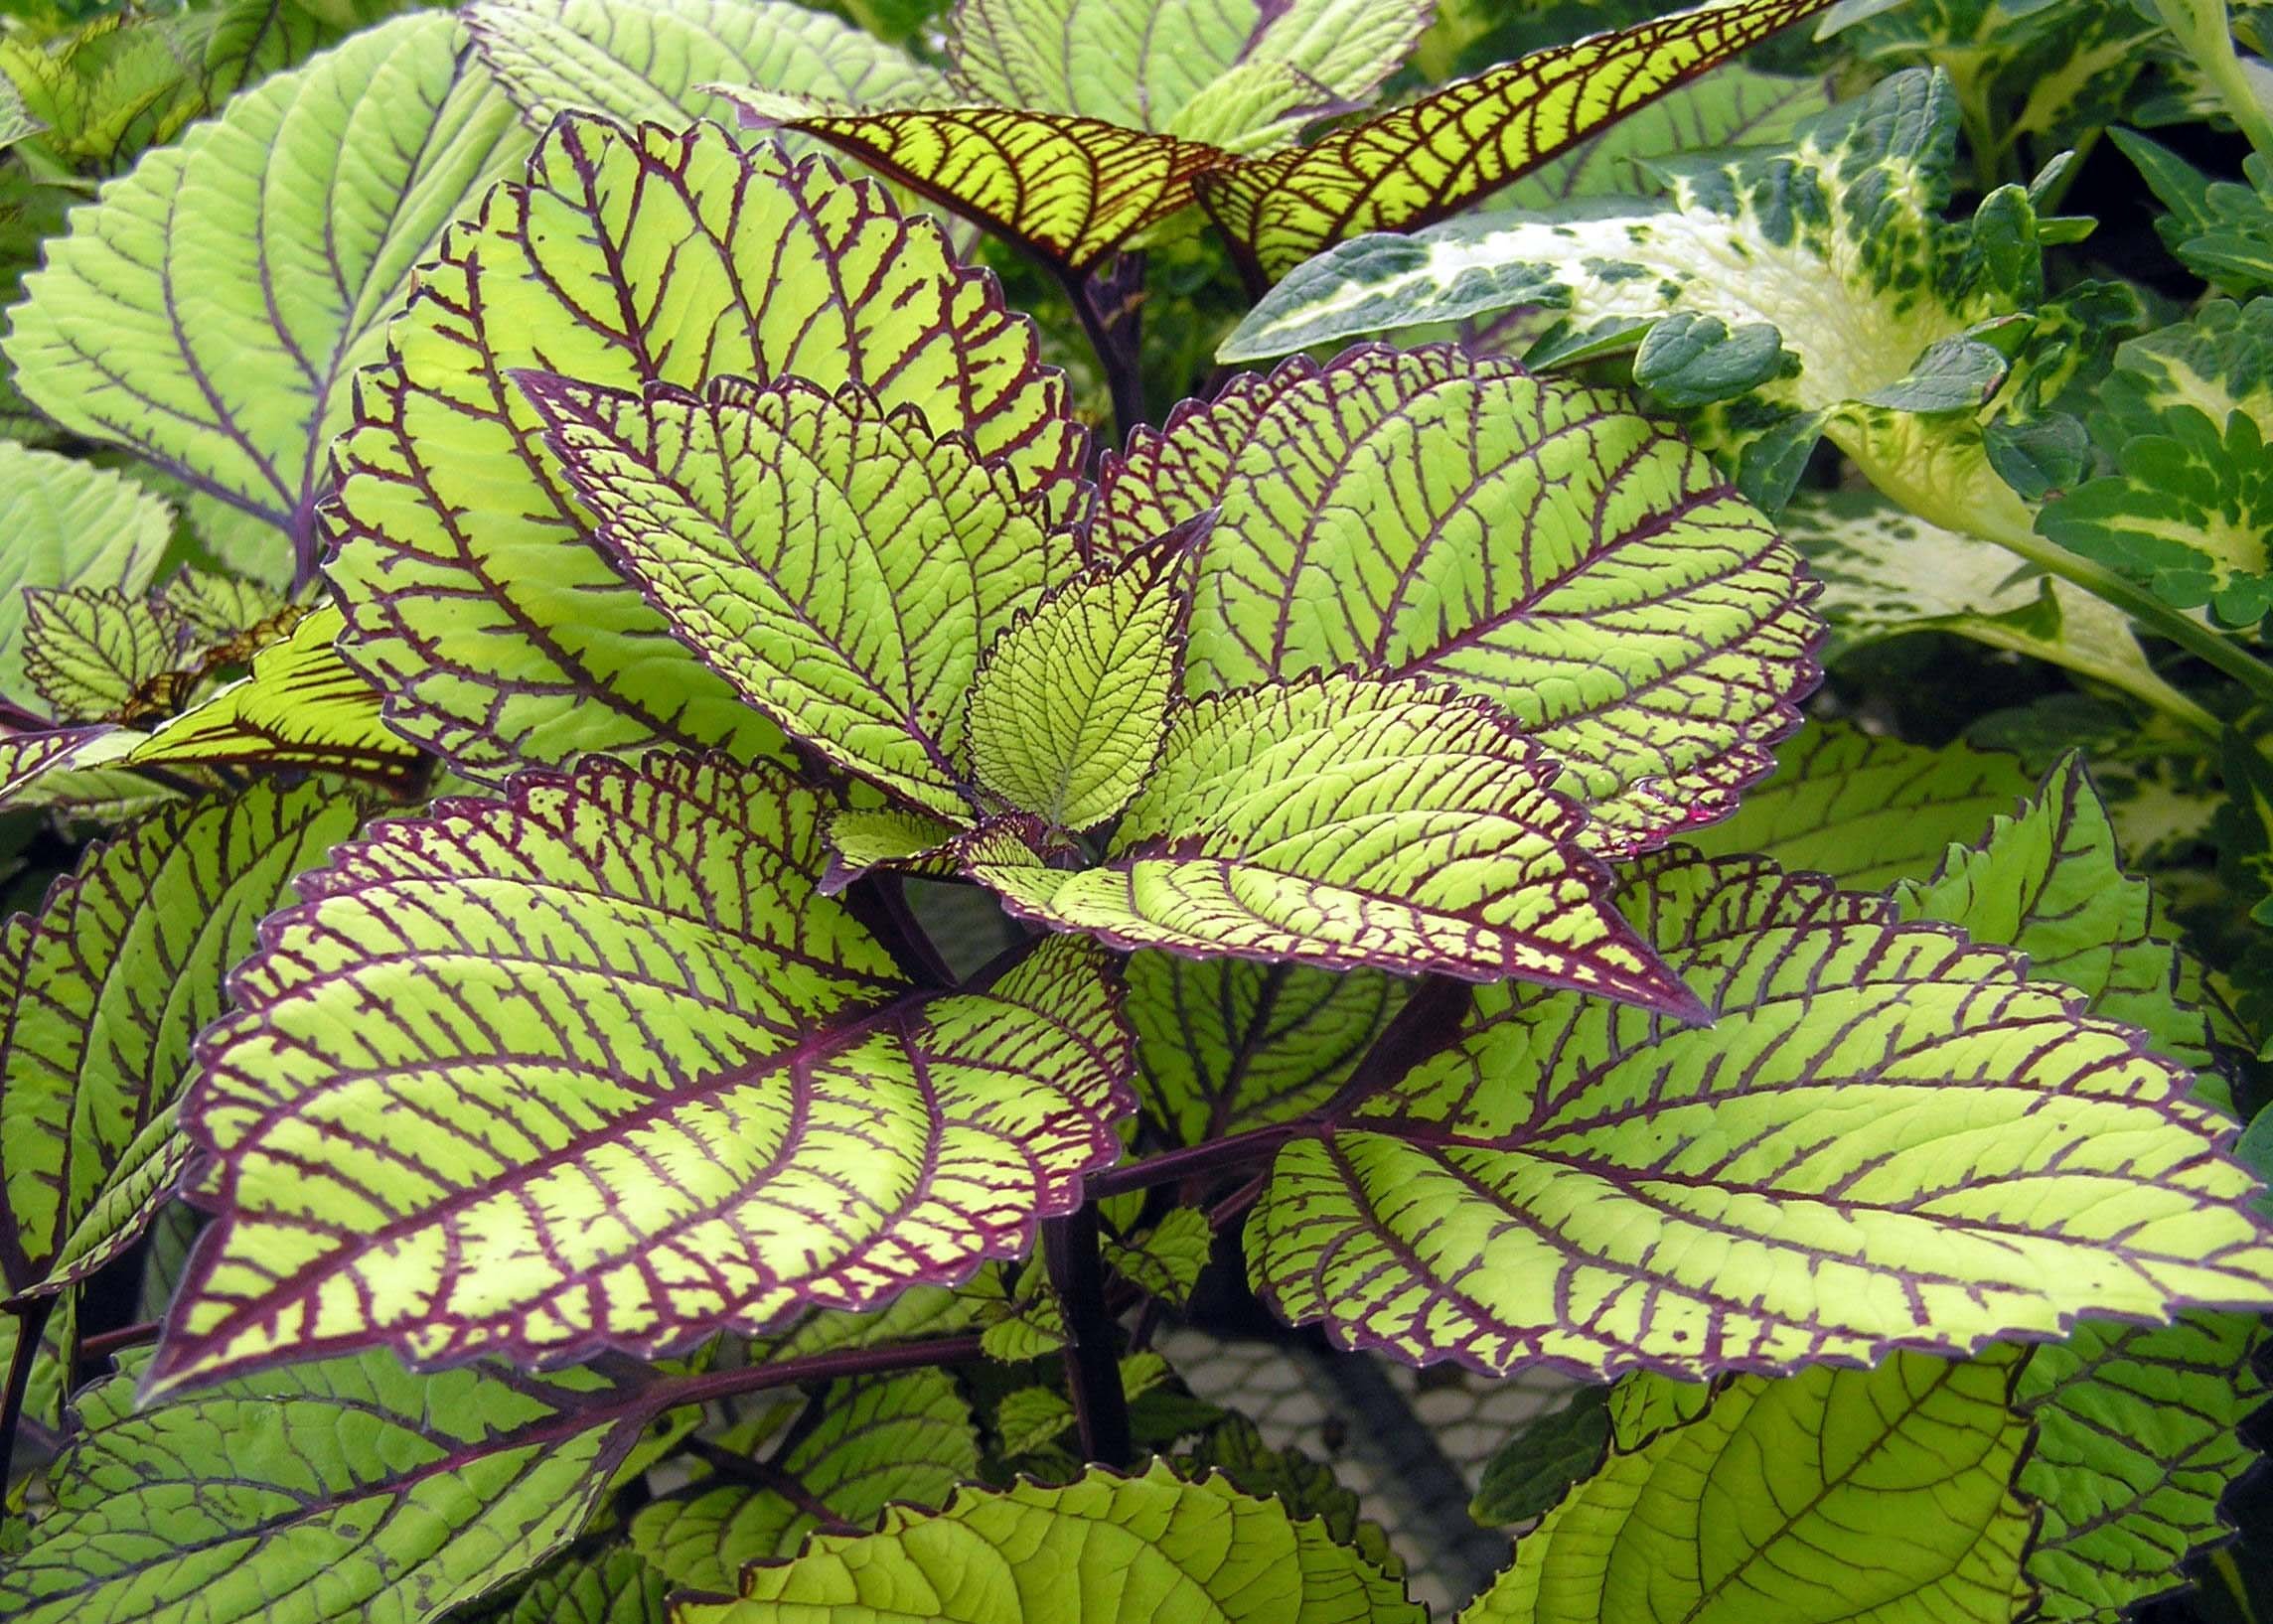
x: 1103, y: 1548
x: 67, y: 525
x: 88, y: 652
x: 891, y: 837
x: 471, y: 601
x: 221, y: 340
x: 1344, y: 824
x: 1308, y: 1488
x: 661, y: 1087
x: 1919, y: 1147
x: 1880, y: 1494
x: 1423, y: 514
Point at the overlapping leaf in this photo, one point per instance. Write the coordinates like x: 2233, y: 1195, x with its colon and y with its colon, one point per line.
x: 494, y: 636
x: 348, y: 1488
x: 1880, y: 1494
x: 1913, y: 1145
x: 2220, y: 230
x: 220, y: 339
x: 1343, y: 823
x: 612, y: 1586
x: 838, y: 565
x: 91, y: 653
x: 1100, y: 1548
x: 102, y: 993
x: 1424, y: 162
x: 69, y: 525
x: 1865, y: 810
x: 1423, y: 514
x: 660, y: 1087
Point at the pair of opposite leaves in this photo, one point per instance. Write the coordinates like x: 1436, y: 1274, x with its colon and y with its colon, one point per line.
x: 1071, y: 189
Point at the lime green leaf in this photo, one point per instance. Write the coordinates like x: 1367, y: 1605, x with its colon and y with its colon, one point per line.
x: 1921, y: 1149
x: 1880, y: 1494
x: 69, y: 525
x: 471, y: 599
x: 636, y: 1082
x: 1166, y: 1260
x: 2051, y: 883
x: 1032, y: 1419
x: 1071, y: 703
x: 91, y: 653
x: 615, y: 1587
x: 1646, y: 1402
x: 863, y: 839
x: 1102, y: 1547
x: 30, y: 761
x: 1425, y: 514
x: 2137, y: 1436
x: 1226, y: 1045
x: 1425, y: 162
x: 1306, y: 1488
x: 221, y: 341
x: 1344, y: 824
x: 103, y: 992
x: 15, y: 122
x: 1869, y: 811
x: 349, y: 1488
x: 904, y: 1440
x: 300, y: 706
x: 840, y: 566
x: 1536, y: 1467
x: 648, y: 62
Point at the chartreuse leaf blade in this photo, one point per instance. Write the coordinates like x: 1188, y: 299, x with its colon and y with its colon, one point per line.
x: 841, y: 568
x: 70, y: 525
x: 902, y: 1439
x: 103, y: 992
x: 1426, y: 160
x: 471, y: 601
x: 346, y: 1488
x: 650, y: 61
x: 299, y: 706
x: 1344, y: 824
x: 611, y: 1586
x: 1920, y: 1148
x: 1868, y: 812
x: 89, y: 652
x: 1102, y: 1547
x: 664, y: 1088
x: 1420, y: 513
x: 1882, y: 1493
x: 1071, y: 703
x: 222, y: 342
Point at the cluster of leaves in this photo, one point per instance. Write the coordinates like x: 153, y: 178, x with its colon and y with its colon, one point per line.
x: 667, y: 908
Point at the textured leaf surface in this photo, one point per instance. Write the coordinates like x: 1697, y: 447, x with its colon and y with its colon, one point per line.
x: 469, y: 601
x: 103, y: 992
x: 1536, y: 1467
x: 905, y: 1439
x: 347, y: 1488
x: 648, y: 62
x: 299, y: 706
x: 89, y: 652
x: 1344, y: 824
x: 69, y: 525
x: 1917, y: 1148
x: 615, y: 1587
x: 1100, y: 1548
x: 1424, y: 162
x: 1423, y: 514
x: 660, y: 1087
x: 1070, y: 705
x: 1867, y: 810
x: 1879, y: 1494
x: 221, y: 340
x: 841, y: 568
x: 861, y: 839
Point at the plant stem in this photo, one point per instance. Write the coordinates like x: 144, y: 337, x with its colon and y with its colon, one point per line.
x: 1191, y: 1161
x: 1091, y: 1361
x: 2206, y: 29
x: 93, y: 1348
x: 1107, y: 301
x: 676, y: 1392
x: 31, y: 1326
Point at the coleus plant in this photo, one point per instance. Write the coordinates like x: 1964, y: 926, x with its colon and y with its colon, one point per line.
x: 710, y: 910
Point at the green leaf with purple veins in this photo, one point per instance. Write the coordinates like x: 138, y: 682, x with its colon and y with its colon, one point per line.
x: 89, y: 652
x: 1344, y: 824
x: 69, y: 525
x: 1887, y: 1139
x: 1419, y: 514
x: 664, y: 1088
x: 472, y: 600
x: 841, y: 568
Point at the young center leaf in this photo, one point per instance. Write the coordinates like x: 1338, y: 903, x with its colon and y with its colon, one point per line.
x: 1883, y: 1493
x: 1100, y: 1548
x: 70, y: 525
x: 471, y: 600
x: 595, y: 1067
x: 1419, y: 514
x: 347, y: 1488
x: 221, y: 341
x: 102, y: 990
x: 89, y: 654
x: 1920, y: 1148
x: 1421, y: 163
x: 840, y: 566
x: 1344, y: 824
